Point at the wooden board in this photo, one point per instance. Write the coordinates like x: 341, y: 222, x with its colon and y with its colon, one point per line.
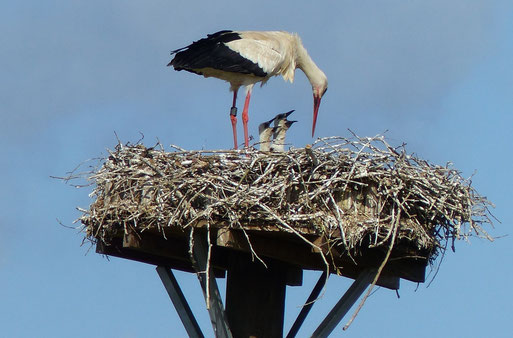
x: 296, y: 254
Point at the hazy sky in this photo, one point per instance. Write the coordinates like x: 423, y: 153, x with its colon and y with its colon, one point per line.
x: 437, y: 75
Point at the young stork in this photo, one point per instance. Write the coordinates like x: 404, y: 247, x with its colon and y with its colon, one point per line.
x: 279, y: 135
x: 266, y: 132
x: 244, y: 58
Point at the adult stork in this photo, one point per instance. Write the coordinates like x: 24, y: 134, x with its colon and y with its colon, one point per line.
x: 244, y: 58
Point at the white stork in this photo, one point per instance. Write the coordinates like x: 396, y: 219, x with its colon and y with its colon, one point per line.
x: 244, y: 58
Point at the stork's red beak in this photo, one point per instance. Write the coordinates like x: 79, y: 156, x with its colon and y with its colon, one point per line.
x: 317, y: 103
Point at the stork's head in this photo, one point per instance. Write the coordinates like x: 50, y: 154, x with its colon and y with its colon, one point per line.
x: 283, y: 116
x: 289, y: 123
x: 263, y: 127
x: 318, y: 89
x: 280, y: 119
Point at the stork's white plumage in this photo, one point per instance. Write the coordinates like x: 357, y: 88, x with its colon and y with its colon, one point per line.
x: 244, y: 58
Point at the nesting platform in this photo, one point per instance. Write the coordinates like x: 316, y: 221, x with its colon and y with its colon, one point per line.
x: 341, y: 206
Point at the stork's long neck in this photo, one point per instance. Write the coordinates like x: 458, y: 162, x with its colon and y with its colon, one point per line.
x: 304, y: 62
x: 265, y: 139
x: 279, y: 139
x: 279, y: 136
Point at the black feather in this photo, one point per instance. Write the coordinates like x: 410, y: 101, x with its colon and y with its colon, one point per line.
x: 212, y: 52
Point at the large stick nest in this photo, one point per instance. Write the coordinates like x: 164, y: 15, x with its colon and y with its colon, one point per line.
x: 357, y: 192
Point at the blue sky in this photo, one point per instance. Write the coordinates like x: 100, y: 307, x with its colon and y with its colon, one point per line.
x: 437, y: 75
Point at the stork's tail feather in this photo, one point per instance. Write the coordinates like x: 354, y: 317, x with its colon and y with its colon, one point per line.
x: 173, y: 52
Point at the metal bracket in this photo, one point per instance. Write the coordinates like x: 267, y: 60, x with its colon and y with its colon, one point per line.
x: 308, y: 306
x: 179, y: 301
x: 344, y: 304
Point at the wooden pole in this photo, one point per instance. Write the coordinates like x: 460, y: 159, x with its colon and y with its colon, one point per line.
x: 255, y: 298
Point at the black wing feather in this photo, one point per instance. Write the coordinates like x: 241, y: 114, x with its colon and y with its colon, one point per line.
x: 212, y: 52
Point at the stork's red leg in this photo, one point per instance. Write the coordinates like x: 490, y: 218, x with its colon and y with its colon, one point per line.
x: 234, y: 98
x: 245, y: 118
x: 234, y: 127
x: 233, y: 118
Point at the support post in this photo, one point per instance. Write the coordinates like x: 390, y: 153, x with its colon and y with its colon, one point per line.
x: 255, y: 297
x: 182, y: 307
x: 344, y: 304
x: 308, y: 306
x: 208, y: 282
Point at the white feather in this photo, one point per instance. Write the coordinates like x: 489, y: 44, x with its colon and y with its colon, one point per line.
x: 274, y: 52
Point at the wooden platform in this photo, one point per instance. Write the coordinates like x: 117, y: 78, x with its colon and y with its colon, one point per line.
x: 287, y: 250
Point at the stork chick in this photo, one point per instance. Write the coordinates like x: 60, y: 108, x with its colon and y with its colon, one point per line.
x: 279, y: 136
x: 266, y: 132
